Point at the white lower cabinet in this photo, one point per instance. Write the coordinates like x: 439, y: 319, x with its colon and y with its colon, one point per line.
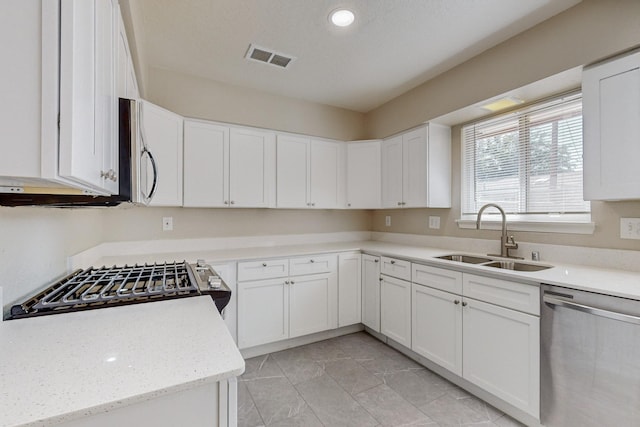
x: 488, y: 343
x: 349, y: 288
x: 286, y: 305
x: 395, y: 309
x: 371, y: 291
x: 437, y: 326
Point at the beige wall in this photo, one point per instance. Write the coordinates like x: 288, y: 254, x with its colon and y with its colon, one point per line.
x: 138, y: 223
x: 35, y: 243
x: 206, y: 99
x: 581, y: 35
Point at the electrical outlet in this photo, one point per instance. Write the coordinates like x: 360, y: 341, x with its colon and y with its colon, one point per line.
x: 167, y: 223
x: 630, y: 228
x: 434, y: 222
x: 387, y: 220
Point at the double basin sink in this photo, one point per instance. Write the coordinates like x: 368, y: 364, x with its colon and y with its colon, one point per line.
x: 488, y: 262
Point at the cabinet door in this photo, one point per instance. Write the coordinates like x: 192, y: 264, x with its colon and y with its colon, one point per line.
x: 206, y: 165
x: 392, y: 172
x: 87, y: 94
x: 349, y: 288
x: 251, y: 168
x: 292, y: 172
x: 323, y: 174
x: 438, y: 166
x: 437, y: 326
x: 395, y: 310
x: 611, y: 108
x: 123, y: 61
x: 263, y: 312
x: 371, y: 291
x: 363, y: 175
x: 414, y: 172
x: 162, y: 132
x: 313, y: 302
x: 502, y: 353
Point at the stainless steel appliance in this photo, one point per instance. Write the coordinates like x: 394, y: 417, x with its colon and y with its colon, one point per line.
x: 590, y: 359
x: 112, y: 286
x: 137, y: 170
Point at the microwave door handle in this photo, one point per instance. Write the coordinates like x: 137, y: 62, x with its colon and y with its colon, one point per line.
x: 147, y: 197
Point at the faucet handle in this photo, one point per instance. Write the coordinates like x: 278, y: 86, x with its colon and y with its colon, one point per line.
x: 510, y: 243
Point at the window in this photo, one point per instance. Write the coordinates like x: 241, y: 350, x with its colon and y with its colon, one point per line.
x: 529, y: 162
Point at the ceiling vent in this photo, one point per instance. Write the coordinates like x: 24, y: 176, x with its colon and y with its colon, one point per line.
x: 268, y: 56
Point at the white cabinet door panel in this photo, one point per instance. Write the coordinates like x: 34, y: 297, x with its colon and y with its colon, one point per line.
x: 349, y: 289
x: 313, y: 302
x: 364, y: 175
x: 206, y: 165
x: 395, y: 310
x: 502, y: 353
x: 392, y: 172
x: 251, y: 167
x: 263, y: 312
x: 323, y: 172
x: 371, y: 291
x: 292, y: 171
x: 414, y: 179
x: 437, y: 327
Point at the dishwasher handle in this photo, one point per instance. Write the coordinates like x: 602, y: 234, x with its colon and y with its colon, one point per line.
x: 561, y: 302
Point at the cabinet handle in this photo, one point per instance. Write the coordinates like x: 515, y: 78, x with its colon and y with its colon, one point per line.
x: 380, y: 279
x: 399, y: 203
x: 286, y: 282
x: 232, y: 202
x: 456, y: 302
x: 308, y: 204
x: 376, y: 260
x: 393, y: 262
x: 292, y: 282
x: 311, y: 261
x: 264, y: 264
x: 349, y: 205
x: 464, y: 303
x: 313, y: 204
x: 226, y: 202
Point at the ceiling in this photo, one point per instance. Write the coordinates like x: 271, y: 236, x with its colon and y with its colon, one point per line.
x: 393, y: 46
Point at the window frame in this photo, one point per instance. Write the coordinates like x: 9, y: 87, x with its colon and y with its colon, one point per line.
x: 571, y: 222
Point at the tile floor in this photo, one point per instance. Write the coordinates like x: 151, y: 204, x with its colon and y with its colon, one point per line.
x: 354, y: 380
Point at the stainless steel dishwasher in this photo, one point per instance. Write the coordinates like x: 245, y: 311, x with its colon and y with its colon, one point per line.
x: 590, y: 359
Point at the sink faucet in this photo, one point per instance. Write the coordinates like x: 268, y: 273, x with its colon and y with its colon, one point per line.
x: 506, y: 242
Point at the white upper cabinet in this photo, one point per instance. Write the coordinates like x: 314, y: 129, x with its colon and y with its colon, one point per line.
x: 227, y: 166
x: 416, y: 168
x: 60, y: 108
x: 127, y: 85
x: 206, y: 164
x: 363, y: 168
x: 161, y: 131
x: 611, y: 111
x: 308, y: 172
x: 251, y: 168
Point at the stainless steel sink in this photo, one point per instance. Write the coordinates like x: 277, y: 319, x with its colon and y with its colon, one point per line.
x: 516, y: 266
x: 465, y: 258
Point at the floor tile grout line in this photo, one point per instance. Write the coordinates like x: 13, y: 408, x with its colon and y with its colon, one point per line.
x: 255, y: 406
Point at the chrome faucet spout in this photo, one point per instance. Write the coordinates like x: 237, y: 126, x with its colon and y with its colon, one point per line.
x: 506, y: 242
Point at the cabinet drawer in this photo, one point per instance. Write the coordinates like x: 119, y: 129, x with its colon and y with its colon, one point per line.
x: 264, y: 269
x: 312, y: 264
x: 395, y: 268
x: 438, y: 278
x: 517, y: 296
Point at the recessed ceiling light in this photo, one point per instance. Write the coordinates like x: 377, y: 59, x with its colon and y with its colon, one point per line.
x: 342, y: 17
x: 502, y: 103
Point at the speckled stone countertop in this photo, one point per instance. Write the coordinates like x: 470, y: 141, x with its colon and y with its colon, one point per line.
x: 66, y: 366
x: 608, y: 281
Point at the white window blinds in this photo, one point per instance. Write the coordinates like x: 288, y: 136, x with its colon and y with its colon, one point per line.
x: 528, y: 161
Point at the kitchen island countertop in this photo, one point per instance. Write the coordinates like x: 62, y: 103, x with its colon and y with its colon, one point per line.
x: 62, y: 367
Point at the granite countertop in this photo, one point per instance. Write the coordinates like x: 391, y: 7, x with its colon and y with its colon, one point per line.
x: 65, y: 366
x: 608, y: 281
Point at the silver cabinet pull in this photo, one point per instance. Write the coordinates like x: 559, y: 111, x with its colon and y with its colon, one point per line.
x: 292, y: 282
x: 264, y: 264
x: 628, y: 318
x: 349, y: 205
x: 380, y: 279
x: 464, y: 303
x: 286, y: 282
x: 456, y: 302
x: 232, y: 202
x: 376, y: 260
x: 399, y: 203
x: 311, y: 261
x: 226, y: 202
x: 393, y: 262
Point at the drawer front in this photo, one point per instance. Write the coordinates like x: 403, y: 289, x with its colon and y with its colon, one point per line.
x: 394, y: 267
x: 264, y: 269
x: 438, y: 278
x: 513, y: 295
x: 312, y: 264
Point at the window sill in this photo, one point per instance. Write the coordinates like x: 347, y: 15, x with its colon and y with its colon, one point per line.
x: 578, y: 224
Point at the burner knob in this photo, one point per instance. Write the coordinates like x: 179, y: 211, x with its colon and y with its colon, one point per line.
x: 214, y: 282
x: 200, y: 263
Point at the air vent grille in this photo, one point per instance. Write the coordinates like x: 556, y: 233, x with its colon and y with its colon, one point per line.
x: 268, y: 56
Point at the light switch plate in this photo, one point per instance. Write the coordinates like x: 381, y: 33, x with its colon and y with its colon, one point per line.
x: 167, y: 223
x: 387, y: 220
x: 630, y: 228
x: 434, y: 222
